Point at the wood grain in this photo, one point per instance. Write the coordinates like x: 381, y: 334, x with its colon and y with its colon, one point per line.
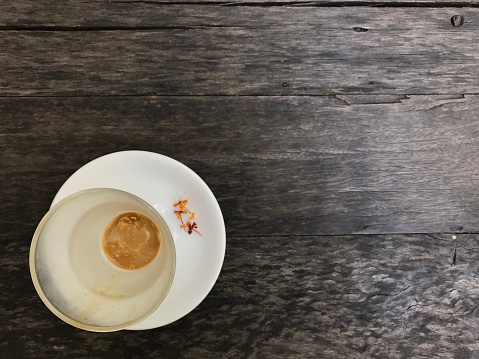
x: 395, y: 296
x: 339, y: 137
x: 278, y: 165
x: 214, y: 50
x: 31, y: 12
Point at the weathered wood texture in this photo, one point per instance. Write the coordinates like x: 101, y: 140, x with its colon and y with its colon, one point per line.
x: 278, y: 165
x: 285, y: 297
x: 305, y: 119
x: 214, y: 50
x: 27, y: 12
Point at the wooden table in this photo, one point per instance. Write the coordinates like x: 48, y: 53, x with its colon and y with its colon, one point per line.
x: 341, y: 139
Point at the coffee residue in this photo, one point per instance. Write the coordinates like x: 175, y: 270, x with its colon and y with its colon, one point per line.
x: 131, y: 240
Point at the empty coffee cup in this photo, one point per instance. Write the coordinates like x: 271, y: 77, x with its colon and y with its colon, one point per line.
x: 102, y: 259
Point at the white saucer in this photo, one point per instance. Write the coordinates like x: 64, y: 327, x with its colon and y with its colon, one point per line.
x: 162, y: 181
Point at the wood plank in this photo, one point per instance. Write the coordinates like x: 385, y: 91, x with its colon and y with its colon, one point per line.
x: 278, y: 165
x: 215, y: 50
x: 395, y: 296
x: 130, y: 15
x: 28, y: 13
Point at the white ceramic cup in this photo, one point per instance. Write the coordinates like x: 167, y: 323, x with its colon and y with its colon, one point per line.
x: 75, y: 279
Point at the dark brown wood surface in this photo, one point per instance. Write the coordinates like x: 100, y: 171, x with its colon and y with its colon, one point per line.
x: 339, y: 137
x: 394, y: 296
x: 215, y: 50
x: 278, y: 165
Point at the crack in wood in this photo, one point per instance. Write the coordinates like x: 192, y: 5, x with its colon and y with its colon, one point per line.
x: 447, y: 292
x: 56, y: 28
x: 469, y: 311
x: 454, y: 256
x: 442, y: 105
x: 339, y: 97
x: 414, y: 305
x: 454, y: 303
x: 402, y: 290
x: 319, y: 3
x: 358, y: 100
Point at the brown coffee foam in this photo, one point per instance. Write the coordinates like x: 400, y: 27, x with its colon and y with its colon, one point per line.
x: 131, y: 240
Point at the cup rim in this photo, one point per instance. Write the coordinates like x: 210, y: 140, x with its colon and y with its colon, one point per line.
x: 39, y: 289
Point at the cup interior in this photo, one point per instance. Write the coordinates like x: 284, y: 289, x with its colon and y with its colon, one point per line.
x: 74, y: 277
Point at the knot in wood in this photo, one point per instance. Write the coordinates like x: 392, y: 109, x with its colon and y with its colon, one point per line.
x: 457, y: 20
x: 360, y: 29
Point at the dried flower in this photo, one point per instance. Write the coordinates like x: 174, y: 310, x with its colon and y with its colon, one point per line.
x: 189, y: 226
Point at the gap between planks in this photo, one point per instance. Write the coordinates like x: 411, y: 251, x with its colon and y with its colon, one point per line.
x: 404, y: 4
x: 338, y: 96
x: 432, y: 235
